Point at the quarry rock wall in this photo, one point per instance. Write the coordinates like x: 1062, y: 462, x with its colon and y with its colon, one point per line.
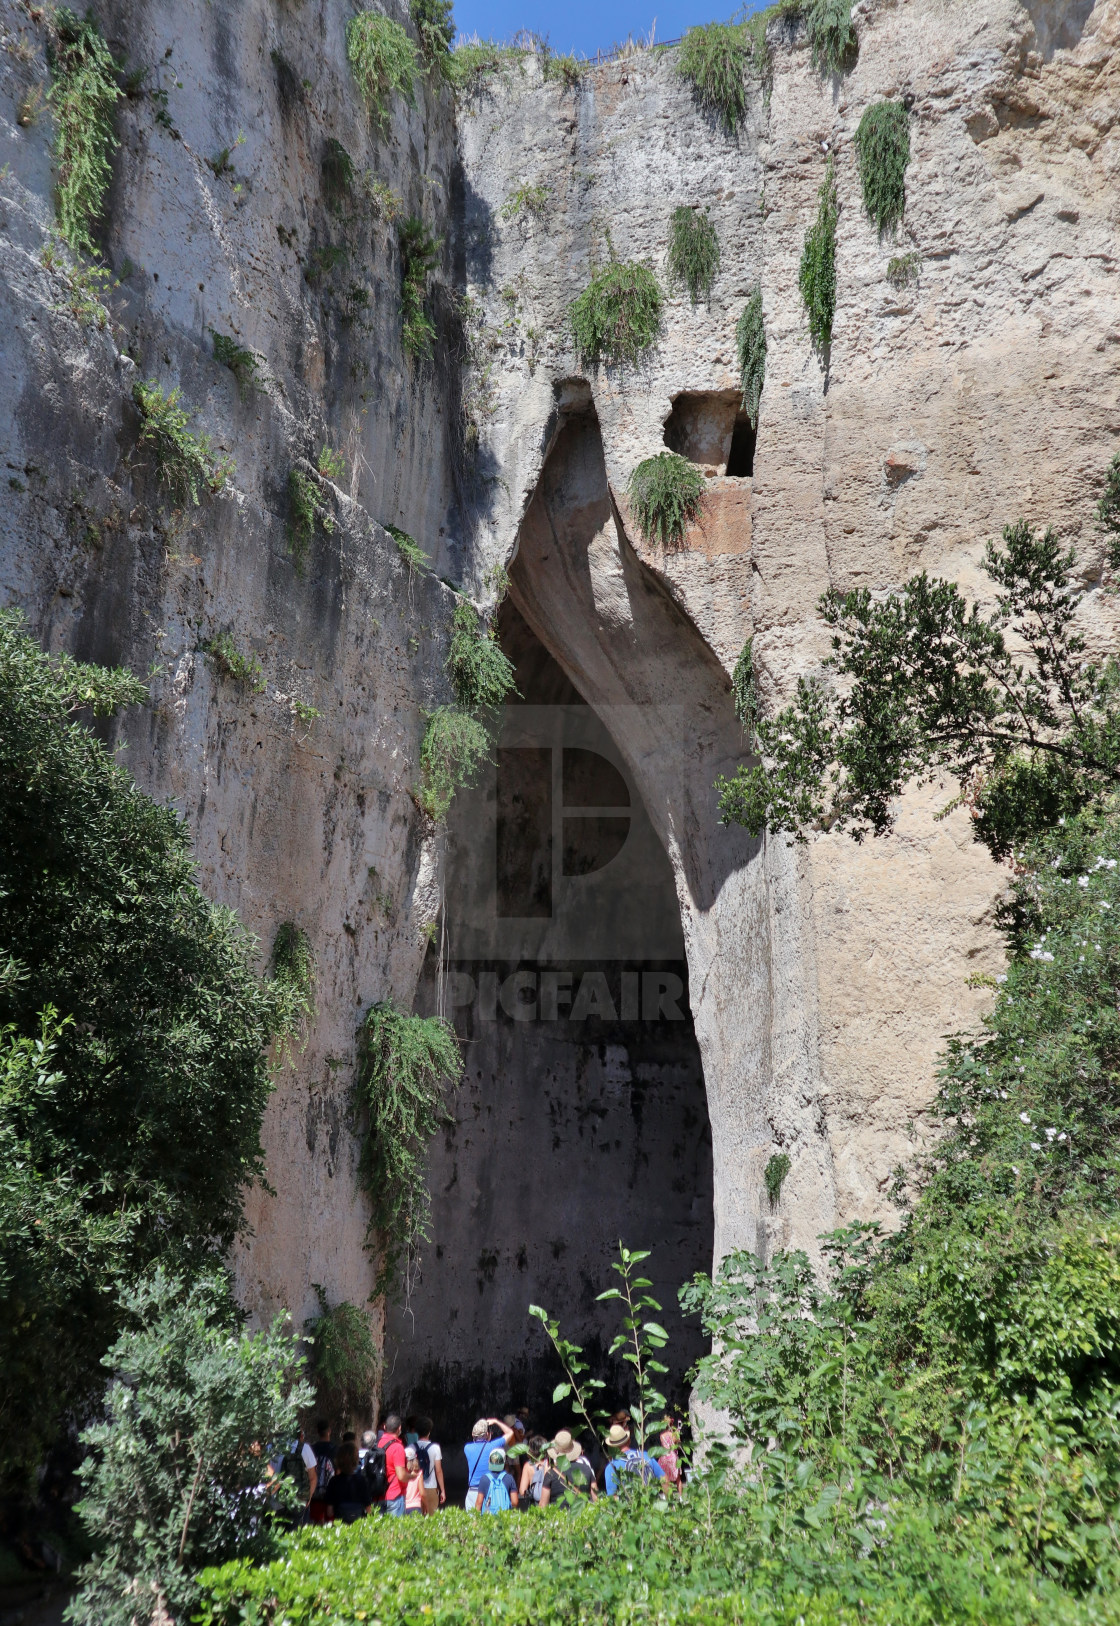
x: 822, y: 978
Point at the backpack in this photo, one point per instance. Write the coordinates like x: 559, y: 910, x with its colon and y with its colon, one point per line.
x: 376, y: 1471
x: 537, y: 1482
x: 497, y: 1495
x: 325, y: 1469
x: 423, y: 1459
x: 293, y: 1467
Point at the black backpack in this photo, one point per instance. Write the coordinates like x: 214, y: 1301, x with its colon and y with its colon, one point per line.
x: 423, y: 1458
x: 376, y: 1472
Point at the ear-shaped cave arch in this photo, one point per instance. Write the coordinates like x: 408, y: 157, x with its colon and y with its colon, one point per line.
x: 608, y: 958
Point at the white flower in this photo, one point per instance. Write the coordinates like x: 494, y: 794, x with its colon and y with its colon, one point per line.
x: 1050, y: 1133
x: 1003, y: 1095
x: 1103, y: 905
x: 1002, y: 979
x: 1083, y: 880
x: 1024, y: 1117
x: 1062, y: 1136
x: 1035, y: 1147
x: 1014, y: 1169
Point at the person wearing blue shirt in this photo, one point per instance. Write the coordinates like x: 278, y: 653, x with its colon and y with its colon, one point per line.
x: 477, y: 1453
x: 628, y: 1462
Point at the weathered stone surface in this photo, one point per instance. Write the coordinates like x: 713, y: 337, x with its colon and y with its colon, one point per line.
x: 822, y: 978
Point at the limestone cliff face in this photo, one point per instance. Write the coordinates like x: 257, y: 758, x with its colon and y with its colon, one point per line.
x: 822, y: 979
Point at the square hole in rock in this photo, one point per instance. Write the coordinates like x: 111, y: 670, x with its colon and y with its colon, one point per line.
x: 740, y: 459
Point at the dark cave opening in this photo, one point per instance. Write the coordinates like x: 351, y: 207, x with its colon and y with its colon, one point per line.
x: 582, y: 1119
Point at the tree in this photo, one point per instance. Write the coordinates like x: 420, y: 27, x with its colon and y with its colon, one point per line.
x: 133, y: 1043
x: 177, y: 1474
x: 928, y: 686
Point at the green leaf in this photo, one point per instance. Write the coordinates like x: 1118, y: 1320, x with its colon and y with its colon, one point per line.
x: 561, y: 1392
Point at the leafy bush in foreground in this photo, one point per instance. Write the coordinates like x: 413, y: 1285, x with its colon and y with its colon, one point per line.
x: 618, y: 315
x: 133, y: 1063
x: 174, y: 1479
x: 723, y: 1556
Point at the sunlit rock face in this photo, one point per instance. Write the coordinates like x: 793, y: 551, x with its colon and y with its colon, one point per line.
x: 818, y: 981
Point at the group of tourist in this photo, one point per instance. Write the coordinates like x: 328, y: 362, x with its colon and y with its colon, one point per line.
x: 398, y: 1472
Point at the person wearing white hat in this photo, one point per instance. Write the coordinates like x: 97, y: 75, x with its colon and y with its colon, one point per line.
x: 569, y: 1475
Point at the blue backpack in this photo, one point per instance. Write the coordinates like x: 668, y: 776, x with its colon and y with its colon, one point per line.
x: 497, y: 1495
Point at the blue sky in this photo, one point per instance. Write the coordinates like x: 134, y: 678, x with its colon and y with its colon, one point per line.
x: 584, y: 26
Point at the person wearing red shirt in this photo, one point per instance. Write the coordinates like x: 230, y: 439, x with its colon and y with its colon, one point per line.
x: 390, y: 1442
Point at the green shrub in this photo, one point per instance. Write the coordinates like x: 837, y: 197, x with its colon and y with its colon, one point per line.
x: 242, y: 363
x: 420, y: 254
x: 83, y: 97
x: 293, y: 958
x: 531, y: 200
x: 665, y: 493
x: 750, y: 344
x: 473, y: 63
x: 306, y: 509
x: 234, y: 664
x: 902, y: 269
x: 773, y: 1176
x: 170, y: 1482
x: 618, y: 315
x: 184, y: 461
x: 344, y: 1362
x: 435, y: 24
x: 409, y: 549
x: 481, y: 674
x: 817, y: 275
x: 406, y: 1064
x: 384, y: 60
x: 744, y: 692
x: 331, y: 464
x: 693, y: 251
x: 1108, y: 511
x: 337, y: 171
x: 563, y: 70
x: 832, y: 35
x: 133, y: 1068
x: 714, y: 58
x: 454, y: 746
x: 883, y: 147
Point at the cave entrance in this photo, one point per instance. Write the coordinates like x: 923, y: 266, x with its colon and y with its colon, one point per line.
x: 582, y: 1118
x: 710, y: 428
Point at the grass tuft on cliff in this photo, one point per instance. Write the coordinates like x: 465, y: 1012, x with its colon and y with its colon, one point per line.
x: 665, y: 493
x: 83, y: 97
x: 817, y: 274
x: 420, y: 252
x: 750, y: 346
x: 185, y: 461
x: 693, y: 251
x: 384, y: 60
x: 715, y: 58
x: 883, y: 147
x: 617, y: 318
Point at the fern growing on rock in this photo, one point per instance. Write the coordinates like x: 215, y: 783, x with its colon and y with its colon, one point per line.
x: 242, y: 363
x: 750, y: 346
x: 664, y: 494
x: 420, y: 252
x: 714, y: 59
x: 617, y: 318
x: 693, y: 251
x: 832, y: 36
x: 406, y: 1065
x: 817, y: 275
x: 344, y: 1361
x: 185, y: 461
x: 883, y: 147
x: 455, y: 745
x: 384, y: 60
x: 83, y: 96
x: 482, y: 674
